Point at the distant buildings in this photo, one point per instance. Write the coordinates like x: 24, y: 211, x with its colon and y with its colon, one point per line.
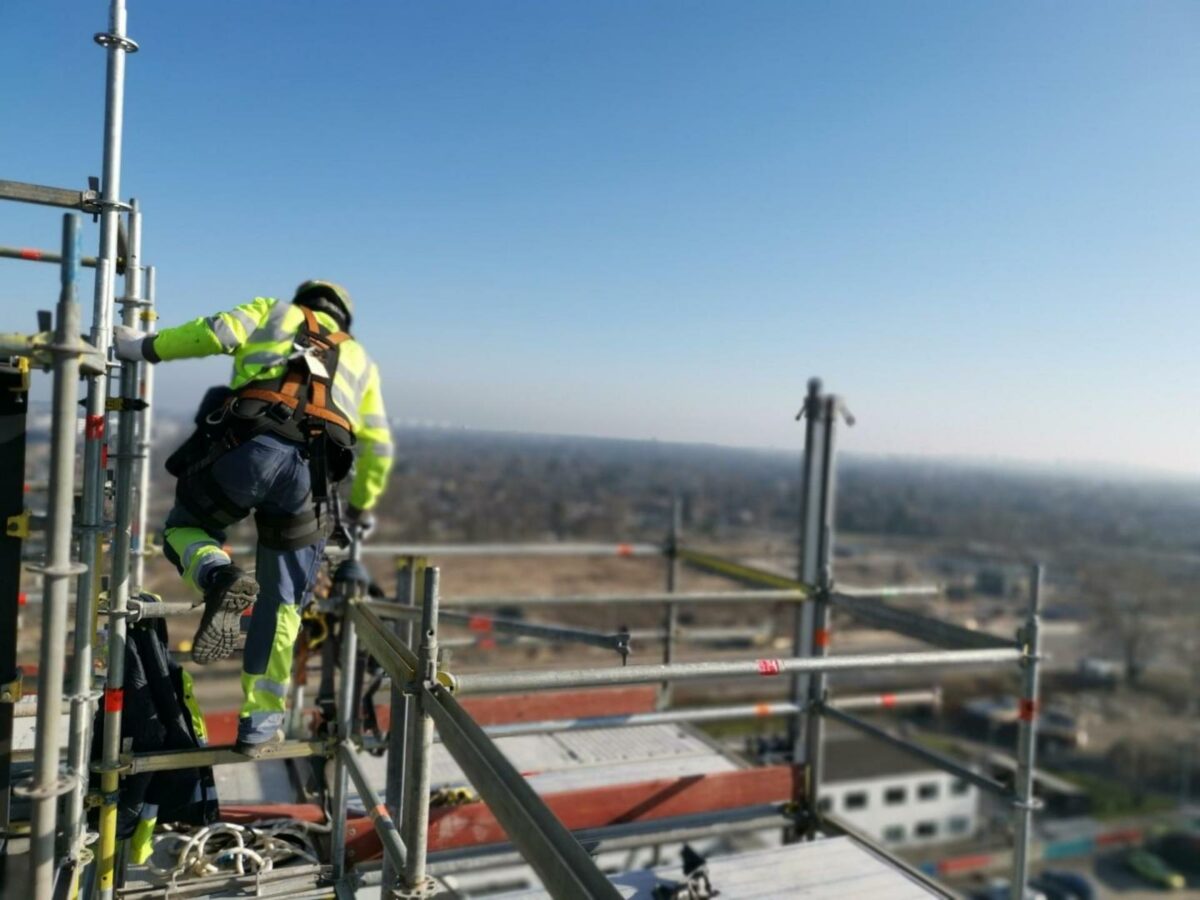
x: 893, y: 797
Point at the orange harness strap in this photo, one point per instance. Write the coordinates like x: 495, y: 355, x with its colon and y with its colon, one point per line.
x: 292, y: 402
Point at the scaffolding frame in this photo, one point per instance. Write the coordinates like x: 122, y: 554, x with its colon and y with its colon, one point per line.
x: 424, y: 694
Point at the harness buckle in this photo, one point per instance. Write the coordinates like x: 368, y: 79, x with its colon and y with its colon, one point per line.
x: 280, y: 412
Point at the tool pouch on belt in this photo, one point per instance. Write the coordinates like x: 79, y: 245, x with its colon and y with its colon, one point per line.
x: 194, y: 452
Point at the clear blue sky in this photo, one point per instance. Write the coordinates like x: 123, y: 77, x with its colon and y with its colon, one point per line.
x: 979, y: 221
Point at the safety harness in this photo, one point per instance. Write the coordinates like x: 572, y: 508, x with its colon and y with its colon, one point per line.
x: 297, y: 405
x: 304, y: 391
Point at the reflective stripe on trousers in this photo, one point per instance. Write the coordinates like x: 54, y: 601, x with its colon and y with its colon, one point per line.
x: 268, y: 474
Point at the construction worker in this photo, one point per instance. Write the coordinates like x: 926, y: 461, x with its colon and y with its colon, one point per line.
x: 277, y: 441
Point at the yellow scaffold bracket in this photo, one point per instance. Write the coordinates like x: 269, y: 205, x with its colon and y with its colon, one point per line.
x: 124, y: 404
x: 452, y: 796
x: 21, y: 364
x: 12, y: 691
x: 148, y: 315
x: 18, y: 526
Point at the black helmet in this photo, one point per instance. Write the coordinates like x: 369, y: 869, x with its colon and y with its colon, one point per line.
x: 323, y: 294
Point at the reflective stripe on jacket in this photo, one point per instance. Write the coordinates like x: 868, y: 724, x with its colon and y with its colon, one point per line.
x: 259, y: 336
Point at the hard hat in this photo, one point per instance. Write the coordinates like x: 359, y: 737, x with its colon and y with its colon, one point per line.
x: 334, y: 293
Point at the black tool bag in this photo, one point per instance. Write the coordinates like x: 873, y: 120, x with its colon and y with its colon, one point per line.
x: 195, y: 452
x: 155, y: 717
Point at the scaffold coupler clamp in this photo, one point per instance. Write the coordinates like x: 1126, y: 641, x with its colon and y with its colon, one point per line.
x: 622, y: 644
x: 429, y: 887
x: 697, y: 885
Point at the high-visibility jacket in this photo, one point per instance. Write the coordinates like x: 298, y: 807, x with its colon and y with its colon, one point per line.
x: 259, y: 335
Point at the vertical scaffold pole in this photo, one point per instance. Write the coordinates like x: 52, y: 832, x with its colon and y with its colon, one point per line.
x: 346, y: 702
x: 91, y: 512
x: 817, y: 685
x: 47, y: 784
x: 808, y: 566
x: 408, y: 571
x: 420, y: 741
x: 671, y: 614
x: 1024, y: 804
x: 145, y: 434
x: 118, y: 588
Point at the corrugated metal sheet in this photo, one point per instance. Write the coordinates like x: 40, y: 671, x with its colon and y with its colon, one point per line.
x: 829, y: 869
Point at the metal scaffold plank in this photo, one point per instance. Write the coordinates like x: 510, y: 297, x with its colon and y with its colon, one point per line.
x: 169, y: 760
x: 65, y: 198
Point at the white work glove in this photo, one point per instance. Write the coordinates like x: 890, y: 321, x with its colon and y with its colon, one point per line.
x: 131, y: 344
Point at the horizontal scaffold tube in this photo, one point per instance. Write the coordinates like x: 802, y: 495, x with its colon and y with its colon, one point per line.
x: 483, y: 682
x: 789, y: 595
x: 708, y: 714
x: 444, y: 550
x: 44, y: 256
x: 484, y: 624
x: 904, y: 590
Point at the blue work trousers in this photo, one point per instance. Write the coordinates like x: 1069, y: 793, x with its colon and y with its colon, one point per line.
x: 271, y: 475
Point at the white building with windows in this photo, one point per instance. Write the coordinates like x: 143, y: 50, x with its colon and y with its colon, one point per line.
x: 894, y: 797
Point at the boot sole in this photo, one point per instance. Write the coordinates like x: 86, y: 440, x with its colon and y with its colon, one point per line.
x: 217, y: 636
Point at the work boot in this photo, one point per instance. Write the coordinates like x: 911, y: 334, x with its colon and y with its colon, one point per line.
x: 259, y: 748
x: 230, y: 593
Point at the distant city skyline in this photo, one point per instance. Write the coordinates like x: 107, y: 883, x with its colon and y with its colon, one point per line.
x: 658, y: 220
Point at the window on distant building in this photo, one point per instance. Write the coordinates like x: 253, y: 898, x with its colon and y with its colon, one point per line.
x: 893, y: 834
x: 857, y: 800
x: 928, y: 791
x: 894, y: 796
x: 958, y: 825
x: 926, y: 829
x: 959, y: 787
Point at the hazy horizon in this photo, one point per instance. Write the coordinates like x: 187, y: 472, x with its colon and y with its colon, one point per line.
x: 647, y: 220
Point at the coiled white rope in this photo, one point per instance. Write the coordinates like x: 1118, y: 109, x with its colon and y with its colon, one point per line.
x: 239, y: 849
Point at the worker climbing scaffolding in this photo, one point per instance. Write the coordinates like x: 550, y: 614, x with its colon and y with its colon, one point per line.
x: 304, y: 397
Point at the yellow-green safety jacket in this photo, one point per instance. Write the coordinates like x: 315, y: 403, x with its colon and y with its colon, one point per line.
x: 259, y: 336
